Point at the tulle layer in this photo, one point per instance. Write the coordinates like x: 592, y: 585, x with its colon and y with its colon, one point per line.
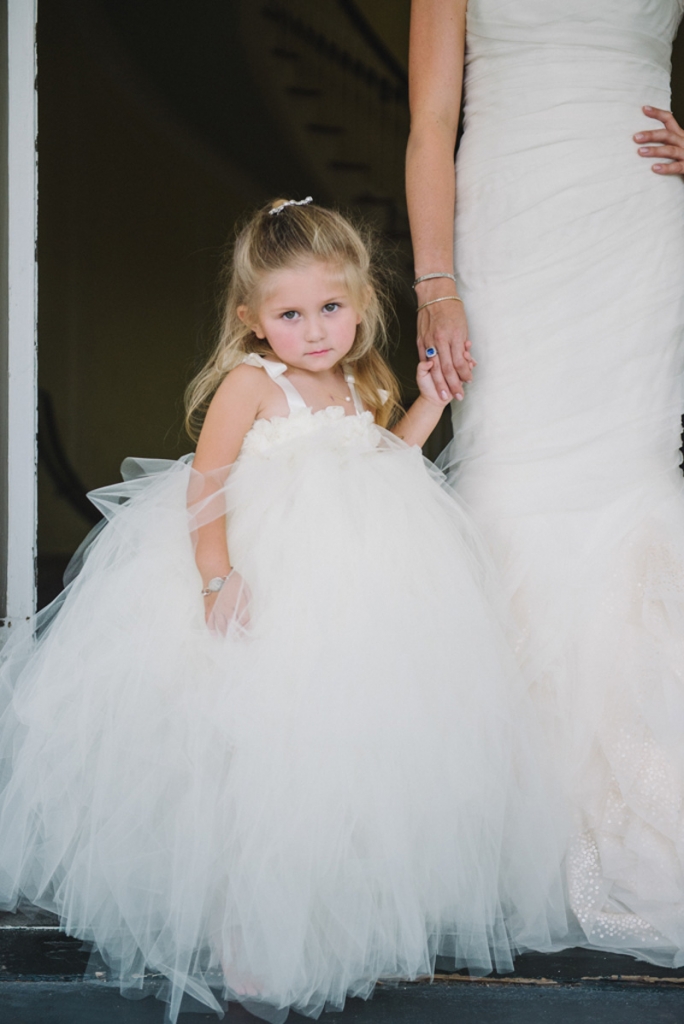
x: 570, y: 251
x: 285, y: 817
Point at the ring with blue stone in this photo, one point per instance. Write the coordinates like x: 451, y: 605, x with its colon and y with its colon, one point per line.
x: 430, y: 352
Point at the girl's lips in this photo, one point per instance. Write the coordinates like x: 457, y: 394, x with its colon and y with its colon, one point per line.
x: 319, y: 352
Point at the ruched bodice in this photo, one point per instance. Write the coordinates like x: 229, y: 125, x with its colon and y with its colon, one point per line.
x: 557, y: 61
x: 637, y: 29
x: 568, y: 253
x: 557, y: 219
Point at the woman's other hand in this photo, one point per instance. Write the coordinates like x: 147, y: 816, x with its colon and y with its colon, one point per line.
x: 228, y: 608
x: 667, y: 142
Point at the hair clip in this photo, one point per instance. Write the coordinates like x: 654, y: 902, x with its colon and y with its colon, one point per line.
x: 292, y: 202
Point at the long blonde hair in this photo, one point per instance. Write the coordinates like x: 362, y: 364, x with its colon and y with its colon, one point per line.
x: 293, y: 237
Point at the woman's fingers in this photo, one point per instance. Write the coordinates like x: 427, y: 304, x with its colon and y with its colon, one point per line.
x: 469, y: 356
x: 666, y: 116
x: 674, y: 168
x: 670, y: 152
x: 447, y: 368
x: 664, y: 143
x: 673, y: 153
x: 659, y: 138
x: 449, y: 382
x: 464, y: 368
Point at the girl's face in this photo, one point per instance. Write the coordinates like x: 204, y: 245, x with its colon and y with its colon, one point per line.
x: 306, y: 315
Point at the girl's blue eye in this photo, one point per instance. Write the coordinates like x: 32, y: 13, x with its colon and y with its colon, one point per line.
x: 290, y: 315
x: 330, y: 307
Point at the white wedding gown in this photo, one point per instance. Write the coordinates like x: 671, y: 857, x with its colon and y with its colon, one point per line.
x: 285, y: 817
x: 570, y: 258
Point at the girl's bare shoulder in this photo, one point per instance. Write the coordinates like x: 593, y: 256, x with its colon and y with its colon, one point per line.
x: 243, y: 380
x: 244, y: 374
x: 233, y: 409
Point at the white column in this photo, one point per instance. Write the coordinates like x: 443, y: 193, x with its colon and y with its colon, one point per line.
x: 18, y: 232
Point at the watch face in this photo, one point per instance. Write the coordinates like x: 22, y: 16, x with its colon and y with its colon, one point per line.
x: 215, y: 584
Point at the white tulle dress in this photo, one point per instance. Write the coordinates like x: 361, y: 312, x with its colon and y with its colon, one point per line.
x: 570, y: 253
x: 286, y: 817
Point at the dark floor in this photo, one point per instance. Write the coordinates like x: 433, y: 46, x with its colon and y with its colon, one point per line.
x: 440, y: 1003
x: 42, y: 982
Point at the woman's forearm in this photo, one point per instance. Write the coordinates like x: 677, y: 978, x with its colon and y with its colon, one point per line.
x: 430, y: 193
x: 436, y: 54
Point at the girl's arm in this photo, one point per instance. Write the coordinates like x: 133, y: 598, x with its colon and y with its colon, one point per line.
x: 436, y: 55
x: 417, y: 424
x: 233, y: 410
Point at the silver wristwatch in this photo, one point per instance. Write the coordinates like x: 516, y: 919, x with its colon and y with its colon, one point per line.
x: 215, y: 584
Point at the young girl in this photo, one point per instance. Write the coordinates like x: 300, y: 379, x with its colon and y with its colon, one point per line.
x: 265, y: 749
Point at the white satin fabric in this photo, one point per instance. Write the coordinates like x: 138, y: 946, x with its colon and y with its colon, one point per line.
x: 570, y: 257
x: 286, y: 817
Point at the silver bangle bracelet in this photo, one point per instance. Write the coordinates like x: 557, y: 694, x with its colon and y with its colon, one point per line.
x: 442, y: 299
x: 431, y: 277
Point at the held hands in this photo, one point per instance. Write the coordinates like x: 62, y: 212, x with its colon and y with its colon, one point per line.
x: 227, y: 609
x: 443, y: 326
x: 425, y: 378
x: 418, y: 422
x: 665, y: 142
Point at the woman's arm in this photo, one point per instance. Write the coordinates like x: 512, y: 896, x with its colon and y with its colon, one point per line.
x: 436, y: 55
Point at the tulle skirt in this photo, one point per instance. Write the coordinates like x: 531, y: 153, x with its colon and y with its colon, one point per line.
x: 284, y: 817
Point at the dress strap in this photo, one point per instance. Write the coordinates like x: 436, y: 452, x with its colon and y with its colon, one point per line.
x: 275, y: 371
x: 351, y: 384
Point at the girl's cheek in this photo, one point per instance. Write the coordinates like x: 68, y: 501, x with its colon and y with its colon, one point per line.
x: 284, y: 341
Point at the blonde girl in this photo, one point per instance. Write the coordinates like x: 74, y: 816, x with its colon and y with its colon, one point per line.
x: 323, y: 788
x: 303, y: 290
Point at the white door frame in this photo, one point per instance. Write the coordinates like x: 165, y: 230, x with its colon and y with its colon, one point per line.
x: 18, y: 313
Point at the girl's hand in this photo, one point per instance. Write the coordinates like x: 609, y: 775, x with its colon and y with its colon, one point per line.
x: 664, y: 142
x: 425, y: 378
x: 228, y: 608
x: 418, y: 422
x: 443, y: 326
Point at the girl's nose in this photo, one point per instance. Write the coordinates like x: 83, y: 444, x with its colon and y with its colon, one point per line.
x: 315, y: 329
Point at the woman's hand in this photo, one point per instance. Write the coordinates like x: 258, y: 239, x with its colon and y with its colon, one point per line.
x: 228, y: 608
x: 663, y: 142
x: 443, y: 326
